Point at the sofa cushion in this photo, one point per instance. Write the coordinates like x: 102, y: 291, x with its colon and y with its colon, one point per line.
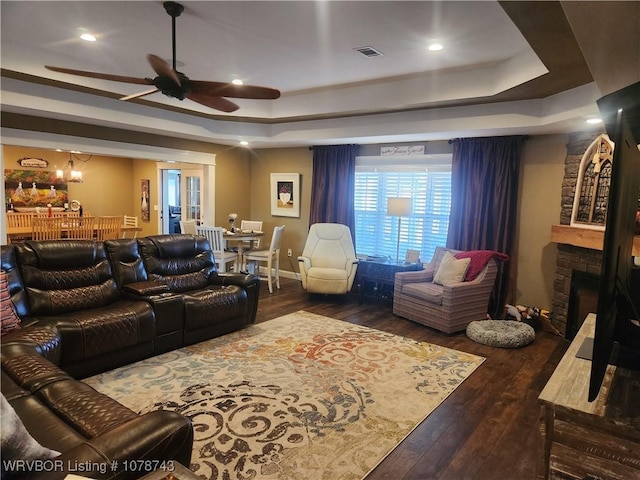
x: 183, y: 262
x: 17, y: 442
x: 431, y: 292
x: 451, y: 270
x: 90, y: 412
x: 61, y: 277
x: 227, y: 302
x: 96, y: 331
x: 328, y: 274
x: 10, y: 320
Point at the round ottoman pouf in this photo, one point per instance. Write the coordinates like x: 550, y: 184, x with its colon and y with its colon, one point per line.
x: 501, y: 333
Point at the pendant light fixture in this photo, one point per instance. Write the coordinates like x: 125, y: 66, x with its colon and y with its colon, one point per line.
x: 71, y: 174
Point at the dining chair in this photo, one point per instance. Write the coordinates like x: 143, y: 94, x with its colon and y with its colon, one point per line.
x: 109, y: 227
x: 188, y: 226
x: 46, y: 228
x: 63, y: 214
x: 271, y: 257
x: 248, y: 245
x: 253, y: 225
x: 80, y: 228
x: 130, y: 221
x: 19, y: 220
x: 221, y: 257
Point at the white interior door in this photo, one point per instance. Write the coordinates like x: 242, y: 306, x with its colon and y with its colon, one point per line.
x: 191, y: 186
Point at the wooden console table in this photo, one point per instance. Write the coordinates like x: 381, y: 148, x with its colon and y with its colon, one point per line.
x: 581, y: 439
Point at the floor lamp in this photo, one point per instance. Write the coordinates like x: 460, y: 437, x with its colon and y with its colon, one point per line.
x: 400, y: 207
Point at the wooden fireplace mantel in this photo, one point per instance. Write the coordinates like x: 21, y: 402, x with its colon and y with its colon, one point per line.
x: 584, y: 237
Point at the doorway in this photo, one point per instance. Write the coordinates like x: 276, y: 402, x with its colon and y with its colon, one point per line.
x: 181, y: 197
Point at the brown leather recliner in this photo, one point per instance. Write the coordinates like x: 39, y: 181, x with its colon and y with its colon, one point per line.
x: 214, y: 303
x: 71, y: 285
x: 89, y: 429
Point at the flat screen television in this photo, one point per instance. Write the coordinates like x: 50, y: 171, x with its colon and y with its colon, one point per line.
x: 617, y: 331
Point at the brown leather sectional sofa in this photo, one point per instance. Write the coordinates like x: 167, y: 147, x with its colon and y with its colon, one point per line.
x: 88, y: 307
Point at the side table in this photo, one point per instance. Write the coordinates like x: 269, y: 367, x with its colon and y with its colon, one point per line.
x: 376, y: 277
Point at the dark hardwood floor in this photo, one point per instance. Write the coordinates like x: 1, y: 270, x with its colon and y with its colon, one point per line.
x: 488, y: 427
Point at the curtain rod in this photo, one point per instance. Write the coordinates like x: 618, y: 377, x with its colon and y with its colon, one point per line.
x: 450, y: 141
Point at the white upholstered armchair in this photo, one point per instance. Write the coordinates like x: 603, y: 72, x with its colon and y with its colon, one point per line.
x: 328, y: 262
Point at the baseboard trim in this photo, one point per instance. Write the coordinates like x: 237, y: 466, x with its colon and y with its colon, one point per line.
x: 283, y: 273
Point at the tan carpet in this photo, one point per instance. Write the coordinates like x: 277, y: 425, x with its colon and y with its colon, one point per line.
x: 299, y: 397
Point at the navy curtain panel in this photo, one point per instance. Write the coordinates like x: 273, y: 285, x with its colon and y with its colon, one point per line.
x: 484, y: 202
x: 333, y: 188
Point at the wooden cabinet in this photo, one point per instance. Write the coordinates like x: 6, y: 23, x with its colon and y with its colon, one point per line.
x: 600, y: 439
x: 376, y: 278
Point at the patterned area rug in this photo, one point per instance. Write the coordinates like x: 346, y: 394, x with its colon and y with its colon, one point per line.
x: 299, y: 397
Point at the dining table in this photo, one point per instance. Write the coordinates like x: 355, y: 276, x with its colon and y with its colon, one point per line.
x: 240, y: 237
x: 24, y: 233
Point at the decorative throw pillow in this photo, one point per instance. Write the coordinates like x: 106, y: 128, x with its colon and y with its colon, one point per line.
x: 7, y: 314
x: 451, y: 270
x: 17, y: 442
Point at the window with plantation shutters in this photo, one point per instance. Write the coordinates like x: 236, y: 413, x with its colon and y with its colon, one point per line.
x: 427, y: 181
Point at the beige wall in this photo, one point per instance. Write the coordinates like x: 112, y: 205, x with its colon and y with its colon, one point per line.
x: 112, y: 186
x: 106, y: 188
x: 282, y: 160
x: 233, y: 183
x: 540, y: 188
x: 540, y: 191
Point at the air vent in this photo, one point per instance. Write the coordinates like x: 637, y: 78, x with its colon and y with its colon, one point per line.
x: 369, y: 52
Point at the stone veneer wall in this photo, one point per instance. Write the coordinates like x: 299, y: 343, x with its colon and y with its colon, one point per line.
x: 569, y: 257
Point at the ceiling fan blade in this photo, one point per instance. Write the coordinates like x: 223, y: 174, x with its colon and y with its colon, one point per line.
x: 141, y: 94
x: 162, y: 68
x: 102, y: 76
x: 217, y: 103
x: 219, y: 89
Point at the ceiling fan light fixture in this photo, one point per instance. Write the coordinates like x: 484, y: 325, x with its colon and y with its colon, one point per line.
x: 435, y: 47
x: 237, y: 81
x: 88, y: 37
x: 175, y: 84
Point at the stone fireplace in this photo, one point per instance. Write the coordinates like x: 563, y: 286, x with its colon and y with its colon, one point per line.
x: 579, y: 255
x: 579, y: 249
x: 583, y: 299
x: 575, y: 287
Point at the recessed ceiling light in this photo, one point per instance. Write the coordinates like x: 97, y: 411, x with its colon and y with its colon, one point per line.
x: 594, y: 120
x: 244, y: 143
x: 435, y: 46
x: 237, y: 81
x: 87, y: 37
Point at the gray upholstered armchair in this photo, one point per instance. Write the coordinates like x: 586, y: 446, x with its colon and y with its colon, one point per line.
x: 447, y: 307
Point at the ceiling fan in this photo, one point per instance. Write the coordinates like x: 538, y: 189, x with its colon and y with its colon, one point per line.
x: 177, y: 85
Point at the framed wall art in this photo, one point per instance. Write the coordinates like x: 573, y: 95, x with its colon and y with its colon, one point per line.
x: 285, y: 194
x: 28, y: 190
x: 145, y: 213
